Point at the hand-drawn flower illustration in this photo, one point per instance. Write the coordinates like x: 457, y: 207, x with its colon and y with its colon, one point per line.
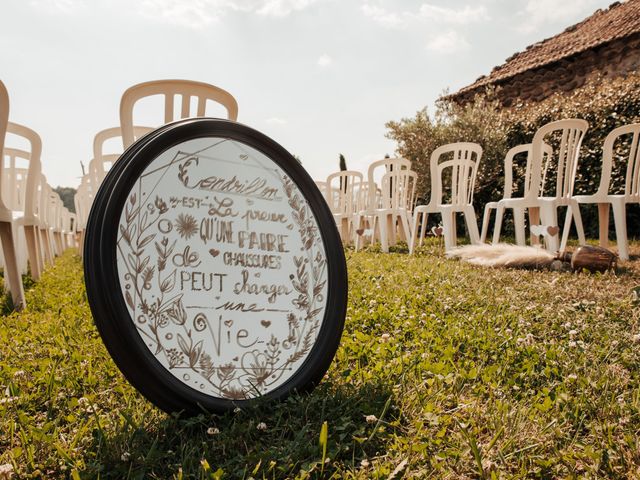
x: 186, y: 225
x: 256, y: 364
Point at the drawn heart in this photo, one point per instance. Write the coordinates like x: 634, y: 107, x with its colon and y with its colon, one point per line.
x: 265, y: 323
x: 214, y: 253
x: 290, y: 226
x: 553, y: 230
x: 437, y: 231
x: 360, y: 231
x: 228, y: 323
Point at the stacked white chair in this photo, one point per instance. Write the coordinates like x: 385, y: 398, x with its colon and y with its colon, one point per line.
x: 570, y: 133
x: 618, y: 202
x: 460, y: 181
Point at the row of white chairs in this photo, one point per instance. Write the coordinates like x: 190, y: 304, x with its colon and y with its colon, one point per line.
x: 34, y: 224
x: 184, y: 91
x: 388, y: 206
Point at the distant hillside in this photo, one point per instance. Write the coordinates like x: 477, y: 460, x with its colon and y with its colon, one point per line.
x: 67, y: 194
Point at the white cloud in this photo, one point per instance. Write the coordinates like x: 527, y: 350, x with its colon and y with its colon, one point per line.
x: 197, y: 14
x: 58, y: 6
x: 462, y: 16
x: 276, y: 121
x: 448, y: 42
x: 427, y: 12
x: 383, y: 17
x: 541, y: 12
x: 324, y: 60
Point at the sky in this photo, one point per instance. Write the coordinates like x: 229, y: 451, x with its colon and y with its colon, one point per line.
x: 321, y: 77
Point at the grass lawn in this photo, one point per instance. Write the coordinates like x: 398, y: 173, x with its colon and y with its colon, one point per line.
x: 445, y: 370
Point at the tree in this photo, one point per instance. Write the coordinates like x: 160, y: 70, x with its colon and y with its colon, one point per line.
x: 67, y: 194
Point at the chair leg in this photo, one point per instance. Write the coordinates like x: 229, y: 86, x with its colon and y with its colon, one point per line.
x: 498, y: 225
x: 391, y: 229
x: 567, y: 226
x: 405, y: 226
x: 11, y: 265
x: 448, y: 225
x: 423, y: 227
x: 454, y: 229
x: 534, y: 219
x: 485, y: 223
x: 472, y: 225
x: 549, y: 215
x: 414, y: 232
x: 620, y: 221
x: 518, y: 223
x: 384, y: 234
x: 603, y: 224
x: 577, y: 218
x: 32, y: 250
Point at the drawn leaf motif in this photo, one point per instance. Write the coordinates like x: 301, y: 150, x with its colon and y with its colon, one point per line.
x: 125, y: 234
x: 194, y: 355
x: 143, y: 264
x: 313, y: 313
x: 318, y: 288
x: 132, y: 261
x: 129, y: 300
x: 168, y: 283
x: 183, y: 345
x: 181, y: 312
x: 146, y: 240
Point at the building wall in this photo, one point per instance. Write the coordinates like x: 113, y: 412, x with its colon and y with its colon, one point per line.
x: 613, y: 59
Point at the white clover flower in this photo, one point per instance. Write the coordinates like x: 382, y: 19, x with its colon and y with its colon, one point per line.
x: 364, y: 463
x: 572, y: 376
x: 125, y: 456
x: 212, y: 431
x: 572, y: 344
x: 261, y: 426
x: 371, y: 418
x: 18, y: 374
x: 636, y: 338
x: 6, y: 471
x: 573, y: 333
x: 384, y: 338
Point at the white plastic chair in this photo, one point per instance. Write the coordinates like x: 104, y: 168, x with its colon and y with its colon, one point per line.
x: 12, y: 274
x: 28, y: 216
x: 618, y: 202
x: 570, y: 133
x: 186, y: 89
x: 340, y: 195
x: 508, y: 189
x: 363, y: 219
x: 461, y: 183
x: 396, y: 199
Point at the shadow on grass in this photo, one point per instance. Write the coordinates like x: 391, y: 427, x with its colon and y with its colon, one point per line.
x: 289, y: 445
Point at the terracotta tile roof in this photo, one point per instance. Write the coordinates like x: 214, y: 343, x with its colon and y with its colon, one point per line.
x: 621, y: 19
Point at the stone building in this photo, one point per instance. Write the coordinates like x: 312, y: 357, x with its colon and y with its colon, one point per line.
x: 606, y: 43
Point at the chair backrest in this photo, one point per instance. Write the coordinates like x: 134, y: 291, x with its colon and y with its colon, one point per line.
x: 32, y: 156
x: 186, y: 89
x: 570, y: 132
x: 632, y: 176
x: 462, y: 178
x: 386, y: 165
x: 341, y: 191
x: 365, y: 194
x: 547, y: 153
x: 398, y: 190
x: 14, y: 178
x: 107, y: 134
x: 4, y: 120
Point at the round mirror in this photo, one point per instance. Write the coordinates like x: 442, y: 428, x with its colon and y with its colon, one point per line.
x: 214, y: 268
